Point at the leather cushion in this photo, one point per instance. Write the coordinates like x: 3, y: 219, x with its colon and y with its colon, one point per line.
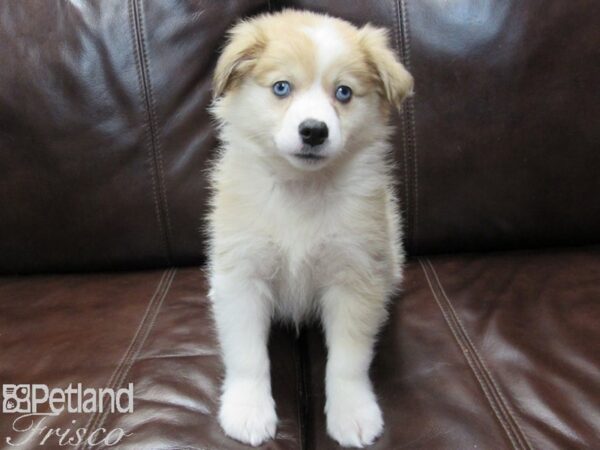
x: 105, y: 137
x: 498, y: 148
x: 152, y: 329
x: 494, y: 351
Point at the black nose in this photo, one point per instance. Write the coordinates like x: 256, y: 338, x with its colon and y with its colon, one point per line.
x: 313, y: 132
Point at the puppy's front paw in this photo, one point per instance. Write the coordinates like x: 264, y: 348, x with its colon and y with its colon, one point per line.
x: 248, y: 414
x: 353, y: 416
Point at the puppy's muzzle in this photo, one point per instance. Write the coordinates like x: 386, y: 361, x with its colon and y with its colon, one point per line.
x: 313, y: 132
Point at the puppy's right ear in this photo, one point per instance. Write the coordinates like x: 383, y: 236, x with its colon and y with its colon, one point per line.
x: 244, y: 45
x: 396, y: 83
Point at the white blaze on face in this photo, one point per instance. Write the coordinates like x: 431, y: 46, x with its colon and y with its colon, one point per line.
x: 314, y: 102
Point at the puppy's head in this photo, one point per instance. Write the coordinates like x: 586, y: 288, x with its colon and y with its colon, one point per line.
x: 307, y: 88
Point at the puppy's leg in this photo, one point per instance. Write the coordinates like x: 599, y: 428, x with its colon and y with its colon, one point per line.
x: 242, y: 310
x: 351, y: 321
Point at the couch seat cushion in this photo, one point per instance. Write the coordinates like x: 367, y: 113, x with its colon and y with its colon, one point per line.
x: 152, y: 329
x: 484, y: 352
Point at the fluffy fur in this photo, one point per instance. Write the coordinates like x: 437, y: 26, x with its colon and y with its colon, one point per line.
x: 292, y: 238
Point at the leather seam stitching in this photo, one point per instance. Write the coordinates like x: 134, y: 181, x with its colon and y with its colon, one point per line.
x: 148, y: 137
x: 469, y: 359
x: 141, y: 335
x: 307, y: 387
x: 409, y: 125
x: 503, y: 403
x: 154, y: 147
x: 157, y: 141
x: 406, y: 181
x: 111, y: 381
x: 300, y: 393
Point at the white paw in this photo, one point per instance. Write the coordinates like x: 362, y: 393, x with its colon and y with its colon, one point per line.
x: 248, y: 414
x: 353, y: 416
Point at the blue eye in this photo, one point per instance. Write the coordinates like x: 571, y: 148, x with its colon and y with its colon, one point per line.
x: 343, y: 94
x: 282, y: 89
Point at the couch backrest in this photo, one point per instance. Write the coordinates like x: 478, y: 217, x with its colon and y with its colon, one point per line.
x: 500, y: 146
x: 104, y: 134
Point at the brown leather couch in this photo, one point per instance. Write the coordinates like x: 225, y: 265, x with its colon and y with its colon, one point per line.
x: 494, y: 342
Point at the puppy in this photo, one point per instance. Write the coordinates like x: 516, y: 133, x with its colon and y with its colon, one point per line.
x: 304, y: 221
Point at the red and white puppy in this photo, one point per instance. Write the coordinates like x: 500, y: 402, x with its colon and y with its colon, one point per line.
x: 304, y: 221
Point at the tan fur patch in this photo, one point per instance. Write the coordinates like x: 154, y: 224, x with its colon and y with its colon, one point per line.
x: 278, y: 47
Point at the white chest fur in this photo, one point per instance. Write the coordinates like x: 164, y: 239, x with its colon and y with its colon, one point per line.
x: 300, y: 236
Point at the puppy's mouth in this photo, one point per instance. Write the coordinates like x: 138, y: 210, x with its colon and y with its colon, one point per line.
x: 311, y: 153
x: 309, y: 156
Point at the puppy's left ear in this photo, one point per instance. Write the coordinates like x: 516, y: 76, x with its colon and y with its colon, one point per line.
x: 244, y: 44
x: 395, y: 82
